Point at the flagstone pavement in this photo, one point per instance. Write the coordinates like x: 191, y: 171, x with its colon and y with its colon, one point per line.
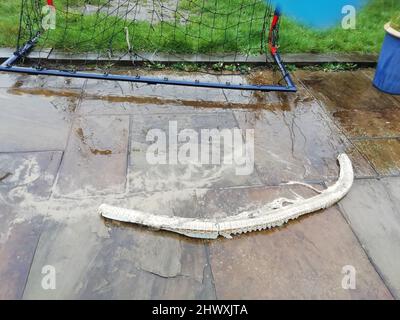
x: 68, y: 145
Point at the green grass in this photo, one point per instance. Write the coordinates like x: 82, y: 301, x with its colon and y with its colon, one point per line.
x: 91, y: 33
x: 367, y: 38
x: 9, y: 17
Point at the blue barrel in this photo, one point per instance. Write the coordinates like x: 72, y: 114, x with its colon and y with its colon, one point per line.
x: 387, y: 77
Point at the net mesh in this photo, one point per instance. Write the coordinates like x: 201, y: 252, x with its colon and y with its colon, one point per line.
x: 114, y: 30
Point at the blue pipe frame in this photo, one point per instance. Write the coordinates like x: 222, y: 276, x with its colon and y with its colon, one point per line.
x: 9, y: 66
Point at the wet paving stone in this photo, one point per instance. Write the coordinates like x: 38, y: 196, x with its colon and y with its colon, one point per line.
x: 297, y: 261
x: 24, y: 179
x: 370, y: 123
x: 176, y: 172
x: 370, y: 73
x: 293, y: 134
x: 106, y: 97
x: 30, y: 173
x: 383, y: 154
x: 345, y: 90
x: 372, y: 209
x: 130, y: 98
x: 34, y: 123
x: 95, y: 159
x: 301, y: 144
x: 257, y: 100
x: 359, y: 108
x: 118, y: 262
x: 97, y: 258
x: 161, y: 92
x: 16, y: 255
x: 47, y: 83
x: 7, y: 80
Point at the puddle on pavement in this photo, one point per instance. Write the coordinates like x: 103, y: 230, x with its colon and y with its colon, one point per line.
x: 72, y: 96
x: 44, y: 92
x: 253, y: 100
x: 261, y: 103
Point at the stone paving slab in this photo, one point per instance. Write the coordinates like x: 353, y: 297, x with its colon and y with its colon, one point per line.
x: 16, y: 255
x: 254, y: 99
x: 383, y: 154
x: 357, y: 58
x: 24, y: 177
x: 370, y: 123
x: 7, y: 80
x: 45, y: 121
x: 295, y: 129
x: 359, y: 108
x: 300, y: 144
x: 117, y: 261
x: 370, y: 73
x: 95, y: 159
x: 146, y: 177
x: 345, y: 90
x: 119, y: 88
x: 95, y: 258
x: 372, y: 209
x: 50, y: 84
x: 303, y: 260
x: 31, y: 172
x: 126, y: 261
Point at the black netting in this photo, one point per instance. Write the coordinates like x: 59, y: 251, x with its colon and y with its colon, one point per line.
x: 119, y: 29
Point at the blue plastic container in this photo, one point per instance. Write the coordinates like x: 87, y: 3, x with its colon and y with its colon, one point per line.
x: 387, y: 77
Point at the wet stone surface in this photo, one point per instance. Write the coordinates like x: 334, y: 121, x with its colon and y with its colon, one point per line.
x: 16, y: 254
x: 34, y: 123
x: 25, y: 178
x: 179, y: 173
x: 95, y: 159
x: 92, y: 141
x: 107, y: 97
x: 33, y: 172
x: 297, y: 140
x: 167, y: 93
x: 7, y: 79
x: 383, y: 154
x: 117, y: 262
x: 44, y: 82
x: 297, y: 261
x: 372, y: 209
x: 359, y: 108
